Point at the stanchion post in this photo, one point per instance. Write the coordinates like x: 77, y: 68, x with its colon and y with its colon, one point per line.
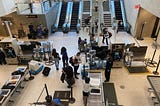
x: 140, y: 36
x: 30, y: 76
x: 151, y: 62
x: 72, y: 99
x: 84, y: 71
x: 156, y: 72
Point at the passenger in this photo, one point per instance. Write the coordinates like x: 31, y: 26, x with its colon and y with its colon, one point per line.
x: 79, y: 42
x: 86, y: 90
x: 96, y: 6
x: 87, y: 20
x: 67, y: 75
x: 45, y: 32
x: 101, y: 27
x: 2, y: 57
x: 64, y: 56
x: 106, y: 35
x: 76, y: 61
x: 109, y: 65
x: 21, y: 32
x: 96, y: 25
x: 39, y: 31
x: 31, y: 28
x: 56, y: 58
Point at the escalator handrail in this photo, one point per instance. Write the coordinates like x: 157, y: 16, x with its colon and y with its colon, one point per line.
x: 79, y: 15
x: 70, y: 16
x: 113, y: 15
x: 113, y: 9
x: 123, y: 13
x: 55, y: 25
x: 91, y: 6
x: 67, y: 22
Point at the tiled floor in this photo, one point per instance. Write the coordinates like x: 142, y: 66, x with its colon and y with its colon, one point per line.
x: 131, y: 89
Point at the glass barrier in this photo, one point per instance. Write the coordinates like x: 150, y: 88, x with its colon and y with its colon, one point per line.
x: 34, y: 7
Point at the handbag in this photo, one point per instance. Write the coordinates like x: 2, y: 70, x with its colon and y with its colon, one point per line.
x: 59, y: 58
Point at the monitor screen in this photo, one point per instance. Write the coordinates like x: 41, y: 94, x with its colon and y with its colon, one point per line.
x: 27, y: 49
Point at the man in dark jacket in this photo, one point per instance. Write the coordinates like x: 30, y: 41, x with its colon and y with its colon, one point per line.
x: 64, y: 56
x: 109, y: 65
x: 67, y: 75
x: 106, y: 35
x: 2, y: 57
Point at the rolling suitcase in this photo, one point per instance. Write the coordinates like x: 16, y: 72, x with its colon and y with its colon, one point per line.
x: 46, y: 71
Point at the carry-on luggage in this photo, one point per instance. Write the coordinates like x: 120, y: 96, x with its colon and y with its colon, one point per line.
x: 46, y: 71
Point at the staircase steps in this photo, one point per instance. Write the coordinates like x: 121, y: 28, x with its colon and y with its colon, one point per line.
x: 63, y: 15
x: 105, y: 6
x: 118, y: 14
x: 84, y: 16
x: 118, y: 11
x: 86, y: 6
x: 107, y: 20
x: 74, y: 19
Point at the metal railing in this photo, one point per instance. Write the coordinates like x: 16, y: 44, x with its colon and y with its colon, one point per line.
x: 68, y: 17
x: 55, y: 25
x: 67, y: 23
x: 123, y: 14
x: 79, y: 16
x: 34, y: 7
x: 112, y: 9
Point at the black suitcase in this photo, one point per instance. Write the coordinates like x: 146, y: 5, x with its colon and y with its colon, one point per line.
x: 29, y: 36
x: 46, y: 71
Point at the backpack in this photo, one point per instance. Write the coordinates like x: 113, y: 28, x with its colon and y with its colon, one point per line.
x: 71, y: 61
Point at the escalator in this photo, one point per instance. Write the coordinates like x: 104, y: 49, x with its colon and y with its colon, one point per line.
x: 106, y: 14
x: 86, y: 10
x: 86, y: 6
x: 62, y: 16
x: 107, y: 20
x: 118, y: 14
x: 74, y: 18
x: 105, y: 5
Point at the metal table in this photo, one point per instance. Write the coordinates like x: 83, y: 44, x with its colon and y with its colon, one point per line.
x: 154, y: 81
x: 8, y: 97
x: 96, y: 99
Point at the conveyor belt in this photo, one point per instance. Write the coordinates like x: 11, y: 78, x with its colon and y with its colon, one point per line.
x: 110, y: 94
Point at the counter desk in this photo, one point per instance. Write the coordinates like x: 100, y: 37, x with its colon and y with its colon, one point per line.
x: 11, y: 86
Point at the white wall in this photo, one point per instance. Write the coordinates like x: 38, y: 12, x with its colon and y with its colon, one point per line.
x: 131, y: 12
x: 7, y: 6
x: 144, y: 16
x: 2, y: 11
x: 152, y: 6
x: 158, y: 38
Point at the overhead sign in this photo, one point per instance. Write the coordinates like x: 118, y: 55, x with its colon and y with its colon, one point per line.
x: 6, y: 18
x: 31, y: 16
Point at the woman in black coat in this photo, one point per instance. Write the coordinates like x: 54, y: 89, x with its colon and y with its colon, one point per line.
x: 67, y: 75
x: 109, y: 65
x: 2, y: 58
x: 64, y: 56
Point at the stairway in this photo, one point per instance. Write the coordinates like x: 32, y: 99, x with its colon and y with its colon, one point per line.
x: 86, y: 6
x: 105, y: 6
x: 86, y: 12
x: 107, y: 20
x: 74, y: 18
x: 84, y: 16
x: 63, y: 15
x: 118, y: 14
x: 1, y: 31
